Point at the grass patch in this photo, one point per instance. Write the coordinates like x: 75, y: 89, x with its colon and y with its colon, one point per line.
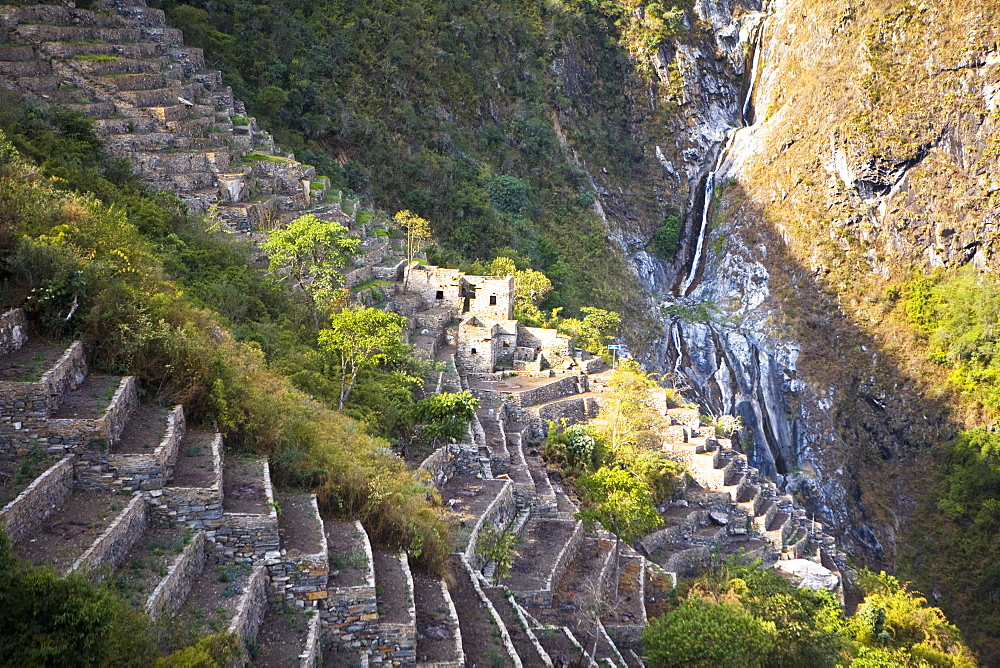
x: 96, y: 57
x: 262, y: 157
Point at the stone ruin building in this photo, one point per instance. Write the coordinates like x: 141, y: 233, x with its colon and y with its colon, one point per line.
x: 489, y: 338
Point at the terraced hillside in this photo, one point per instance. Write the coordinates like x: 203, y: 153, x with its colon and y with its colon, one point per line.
x: 154, y: 102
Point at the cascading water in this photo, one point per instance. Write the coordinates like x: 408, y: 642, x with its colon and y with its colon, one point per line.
x: 747, y: 119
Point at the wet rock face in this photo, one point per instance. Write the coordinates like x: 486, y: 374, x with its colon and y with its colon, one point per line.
x: 735, y: 361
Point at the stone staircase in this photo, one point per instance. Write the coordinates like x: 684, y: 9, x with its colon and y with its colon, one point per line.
x: 102, y: 484
x: 154, y: 102
x: 569, y: 596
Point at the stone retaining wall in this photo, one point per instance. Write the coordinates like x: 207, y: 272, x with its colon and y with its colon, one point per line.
x: 13, y: 331
x: 248, y: 537
x: 459, y: 653
x: 302, y: 577
x: 27, y: 402
x: 252, y: 608
x: 174, y: 588
x: 244, y: 538
x: 497, y: 619
x: 112, y: 545
x: 132, y: 472
x: 574, y: 409
x: 39, y: 500
x: 500, y: 513
x: 675, y: 533
x: 542, y: 598
x: 312, y: 653
x: 76, y: 434
x: 198, y: 507
x: 349, y: 612
x: 557, y: 389
x: 449, y: 460
x: 396, y: 644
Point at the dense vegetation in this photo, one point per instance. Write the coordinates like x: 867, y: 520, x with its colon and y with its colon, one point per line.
x: 741, y: 615
x: 91, y: 254
x: 455, y: 109
x: 957, y: 315
x: 615, y: 462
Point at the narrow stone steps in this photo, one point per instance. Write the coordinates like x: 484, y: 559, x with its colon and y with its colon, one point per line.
x: 525, y: 642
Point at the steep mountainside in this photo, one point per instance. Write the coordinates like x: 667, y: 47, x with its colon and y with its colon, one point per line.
x: 794, y: 202
x: 769, y: 175
x: 870, y: 154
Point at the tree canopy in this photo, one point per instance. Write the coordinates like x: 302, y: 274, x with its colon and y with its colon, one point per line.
x: 312, y: 251
x: 620, y: 501
x: 361, y: 338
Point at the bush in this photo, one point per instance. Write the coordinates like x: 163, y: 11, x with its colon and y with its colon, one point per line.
x: 667, y: 237
x: 709, y: 635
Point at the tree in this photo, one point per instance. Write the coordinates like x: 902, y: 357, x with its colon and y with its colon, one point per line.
x: 621, y: 502
x: 418, y: 233
x: 313, y: 251
x: 49, y: 620
x: 709, y: 635
x: 894, y: 621
x: 362, y: 338
x: 446, y: 414
x: 629, y: 421
x: 595, y: 331
x: 497, y: 546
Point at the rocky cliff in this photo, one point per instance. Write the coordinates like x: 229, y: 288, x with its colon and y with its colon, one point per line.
x: 834, y: 147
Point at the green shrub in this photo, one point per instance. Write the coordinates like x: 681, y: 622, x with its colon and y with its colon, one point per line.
x: 667, y: 237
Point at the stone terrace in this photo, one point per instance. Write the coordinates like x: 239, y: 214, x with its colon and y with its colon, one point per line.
x: 154, y: 102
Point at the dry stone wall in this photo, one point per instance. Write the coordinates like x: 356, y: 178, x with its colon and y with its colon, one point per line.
x: 302, y: 577
x: 26, y: 402
x: 76, y: 434
x: 130, y: 472
x: 197, y: 507
x: 451, y: 460
x: 252, y: 608
x: 41, y: 498
x: 500, y: 513
x: 111, y: 546
x: 174, y: 588
x: 349, y: 613
x: 542, y: 598
x: 396, y: 644
x: 312, y: 652
x: 248, y: 537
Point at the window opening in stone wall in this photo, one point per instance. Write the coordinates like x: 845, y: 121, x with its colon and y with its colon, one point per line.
x: 506, y: 344
x: 439, y: 294
x: 474, y: 351
x: 493, y: 300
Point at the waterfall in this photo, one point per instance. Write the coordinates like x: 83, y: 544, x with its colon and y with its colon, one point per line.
x: 747, y: 119
x: 748, y: 110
